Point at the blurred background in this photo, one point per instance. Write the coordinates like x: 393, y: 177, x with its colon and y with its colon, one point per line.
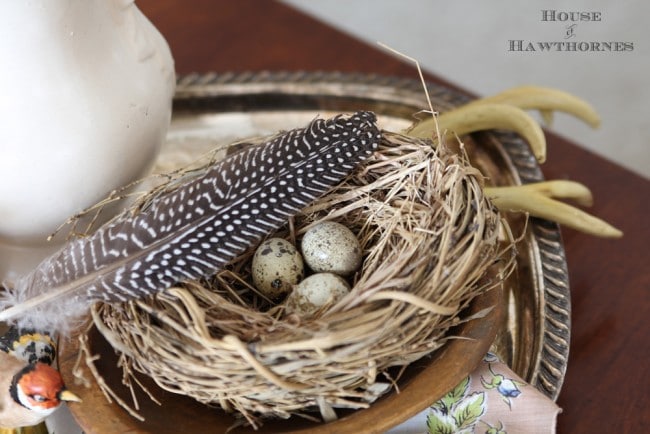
x: 469, y: 43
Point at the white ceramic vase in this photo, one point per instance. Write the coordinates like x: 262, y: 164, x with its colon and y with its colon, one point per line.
x: 85, y: 101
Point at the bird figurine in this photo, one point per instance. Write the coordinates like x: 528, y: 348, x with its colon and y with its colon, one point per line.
x: 29, y: 392
x: 29, y: 345
x: 85, y: 107
x: 30, y: 389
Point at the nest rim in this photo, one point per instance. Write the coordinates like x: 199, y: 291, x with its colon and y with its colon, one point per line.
x: 351, y: 308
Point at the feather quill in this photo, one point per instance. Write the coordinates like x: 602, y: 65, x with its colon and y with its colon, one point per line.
x: 196, y: 229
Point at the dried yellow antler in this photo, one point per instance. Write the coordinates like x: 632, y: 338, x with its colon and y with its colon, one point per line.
x: 546, y: 100
x: 536, y: 199
x: 486, y: 116
x: 505, y: 110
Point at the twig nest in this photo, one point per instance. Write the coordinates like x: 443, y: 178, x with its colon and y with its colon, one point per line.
x: 429, y: 239
x: 315, y: 292
x: 277, y: 266
x: 331, y: 247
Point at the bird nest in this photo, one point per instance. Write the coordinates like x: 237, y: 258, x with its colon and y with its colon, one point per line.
x: 430, y: 240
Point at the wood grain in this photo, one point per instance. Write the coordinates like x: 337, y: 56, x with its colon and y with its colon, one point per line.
x: 606, y: 384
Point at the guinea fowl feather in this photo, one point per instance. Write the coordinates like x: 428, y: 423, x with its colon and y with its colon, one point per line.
x: 195, y: 229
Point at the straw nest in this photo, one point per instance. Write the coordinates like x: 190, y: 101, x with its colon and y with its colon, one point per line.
x: 429, y: 237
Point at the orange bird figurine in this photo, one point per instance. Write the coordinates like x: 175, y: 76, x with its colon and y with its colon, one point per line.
x: 29, y: 392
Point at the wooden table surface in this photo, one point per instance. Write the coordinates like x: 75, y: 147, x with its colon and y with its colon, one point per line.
x: 606, y: 385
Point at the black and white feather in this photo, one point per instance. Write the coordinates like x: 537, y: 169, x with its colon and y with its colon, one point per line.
x: 197, y: 228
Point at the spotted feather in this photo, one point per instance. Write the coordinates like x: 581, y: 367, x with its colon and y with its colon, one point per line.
x: 197, y: 228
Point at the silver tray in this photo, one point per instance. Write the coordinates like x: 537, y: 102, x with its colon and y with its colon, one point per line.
x: 214, y: 109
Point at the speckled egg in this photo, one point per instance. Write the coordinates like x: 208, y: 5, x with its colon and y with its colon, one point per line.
x: 277, y: 266
x: 316, y: 291
x: 331, y: 247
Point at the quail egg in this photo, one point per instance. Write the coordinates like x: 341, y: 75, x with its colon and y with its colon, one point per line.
x: 277, y: 265
x: 331, y: 247
x: 316, y: 291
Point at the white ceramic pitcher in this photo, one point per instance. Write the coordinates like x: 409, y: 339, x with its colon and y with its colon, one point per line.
x: 85, y: 102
